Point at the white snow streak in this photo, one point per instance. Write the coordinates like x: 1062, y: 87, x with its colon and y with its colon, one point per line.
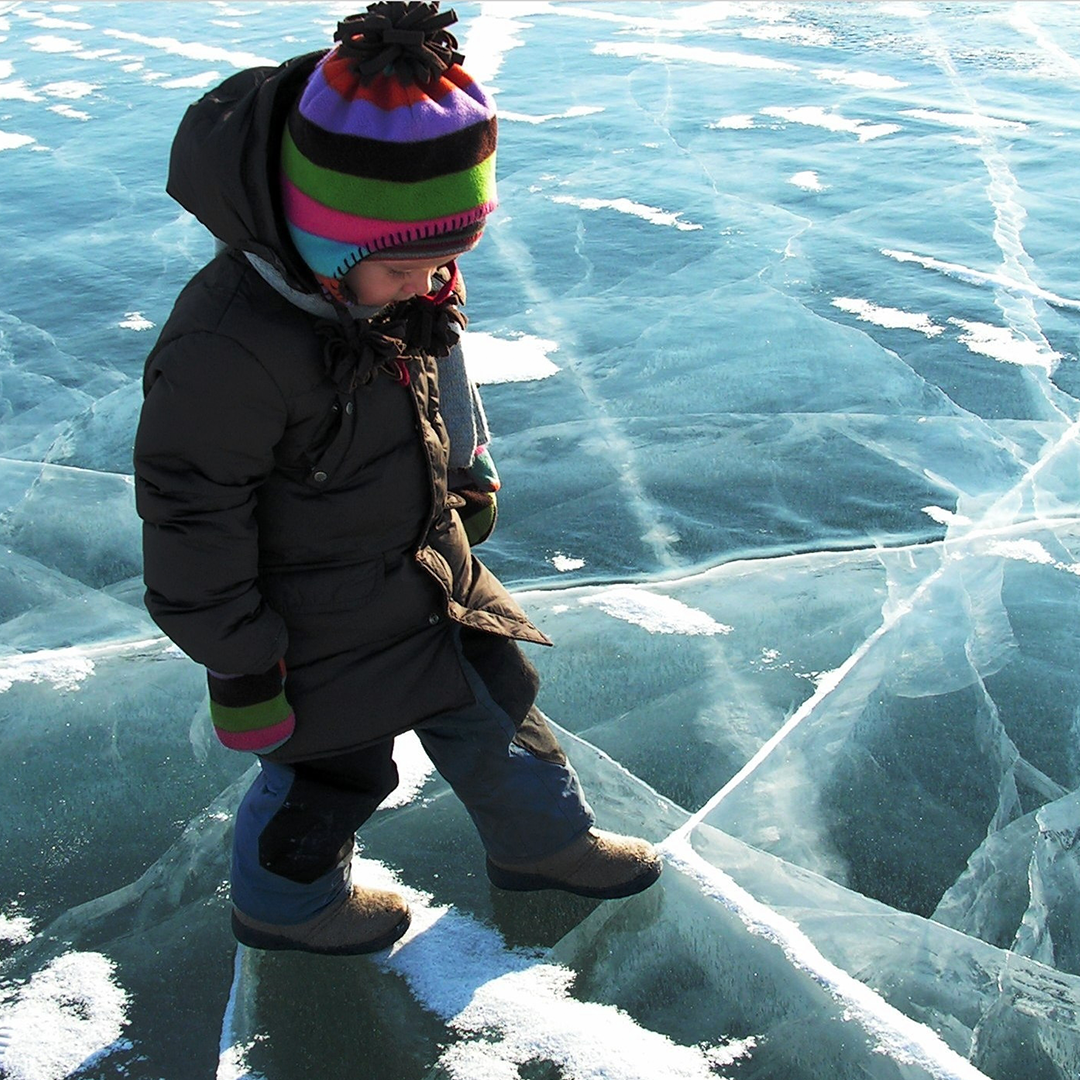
x: 982, y: 277
x: 569, y: 114
x: 1000, y: 343
x: 627, y: 206
x: 195, y: 50
x: 891, y: 318
x: 901, y: 1039
x: 864, y: 80
x: 654, y: 612
x: 816, y: 116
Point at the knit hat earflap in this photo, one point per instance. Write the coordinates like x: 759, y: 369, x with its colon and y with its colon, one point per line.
x: 390, y: 149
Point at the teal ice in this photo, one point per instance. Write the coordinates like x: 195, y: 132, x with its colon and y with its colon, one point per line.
x: 777, y: 326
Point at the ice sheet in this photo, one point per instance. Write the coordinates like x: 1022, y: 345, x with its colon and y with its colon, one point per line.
x: 777, y: 328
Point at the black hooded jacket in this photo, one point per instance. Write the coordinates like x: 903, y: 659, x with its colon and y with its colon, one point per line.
x: 290, y: 508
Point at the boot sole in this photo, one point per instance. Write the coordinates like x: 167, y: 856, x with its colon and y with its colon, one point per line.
x: 513, y: 881
x: 259, y: 939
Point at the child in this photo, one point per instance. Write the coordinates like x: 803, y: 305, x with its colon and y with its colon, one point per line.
x: 310, y: 469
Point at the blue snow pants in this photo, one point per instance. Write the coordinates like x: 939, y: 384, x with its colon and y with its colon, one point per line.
x: 296, y: 826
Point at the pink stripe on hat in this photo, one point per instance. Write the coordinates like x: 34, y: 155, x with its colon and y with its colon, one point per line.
x: 313, y: 217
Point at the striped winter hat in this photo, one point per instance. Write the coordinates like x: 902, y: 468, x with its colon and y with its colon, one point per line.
x: 390, y: 150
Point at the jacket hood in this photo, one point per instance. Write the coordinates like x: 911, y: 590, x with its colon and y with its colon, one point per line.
x: 224, y: 162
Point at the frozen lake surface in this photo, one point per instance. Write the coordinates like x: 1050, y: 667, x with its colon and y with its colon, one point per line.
x: 778, y: 328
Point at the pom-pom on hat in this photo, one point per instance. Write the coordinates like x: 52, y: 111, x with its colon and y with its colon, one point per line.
x: 390, y: 150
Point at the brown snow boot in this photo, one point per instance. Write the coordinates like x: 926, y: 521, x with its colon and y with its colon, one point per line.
x: 367, y: 920
x: 598, y: 864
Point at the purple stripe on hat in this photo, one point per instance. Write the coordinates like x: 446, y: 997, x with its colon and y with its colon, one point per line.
x: 323, y: 105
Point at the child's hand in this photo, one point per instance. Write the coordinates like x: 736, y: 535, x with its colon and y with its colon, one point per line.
x: 478, y: 514
x: 250, y: 712
x: 477, y: 486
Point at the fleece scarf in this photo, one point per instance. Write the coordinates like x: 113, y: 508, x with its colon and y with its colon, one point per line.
x: 459, y: 400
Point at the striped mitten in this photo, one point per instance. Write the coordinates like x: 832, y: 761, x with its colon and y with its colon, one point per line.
x: 250, y: 712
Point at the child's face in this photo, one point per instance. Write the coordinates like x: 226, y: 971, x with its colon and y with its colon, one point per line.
x: 375, y: 283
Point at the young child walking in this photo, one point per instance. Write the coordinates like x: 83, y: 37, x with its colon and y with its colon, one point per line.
x: 311, y: 470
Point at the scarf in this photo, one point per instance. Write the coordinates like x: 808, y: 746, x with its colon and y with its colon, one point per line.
x: 459, y: 399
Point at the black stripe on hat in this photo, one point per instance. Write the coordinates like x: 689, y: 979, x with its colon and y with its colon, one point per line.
x: 407, y: 163
x: 408, y: 245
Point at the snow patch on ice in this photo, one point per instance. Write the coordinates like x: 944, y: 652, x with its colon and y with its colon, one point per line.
x: 195, y: 50
x: 64, y: 669
x: 135, y: 320
x: 48, y: 22
x: 891, y: 318
x: 1023, y: 550
x: 521, y: 358
x: 569, y: 114
x: 11, y: 140
x: 738, y: 122
x: 563, y: 563
x: 233, y: 1063
x: 906, y: 9
x: 1030, y: 551
x: 654, y: 612
x: 627, y: 206
x: 193, y: 82
x: 1000, y: 343
x: 510, y: 1007
x: 69, y: 1011
x: 70, y: 89
x: 982, y: 277
x: 50, y: 43
x: 70, y: 112
x: 975, y: 121
x: 807, y: 180
x: 492, y: 35
x: 16, y: 929
x: 864, y: 80
x: 17, y: 90
x: 816, y: 116
x: 945, y: 517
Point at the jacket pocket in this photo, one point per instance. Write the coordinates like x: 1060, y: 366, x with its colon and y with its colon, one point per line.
x: 338, y: 588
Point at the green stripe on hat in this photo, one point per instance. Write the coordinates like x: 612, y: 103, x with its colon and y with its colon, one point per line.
x: 388, y: 200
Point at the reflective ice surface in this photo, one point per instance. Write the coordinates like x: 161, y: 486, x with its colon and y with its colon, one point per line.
x: 778, y: 328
